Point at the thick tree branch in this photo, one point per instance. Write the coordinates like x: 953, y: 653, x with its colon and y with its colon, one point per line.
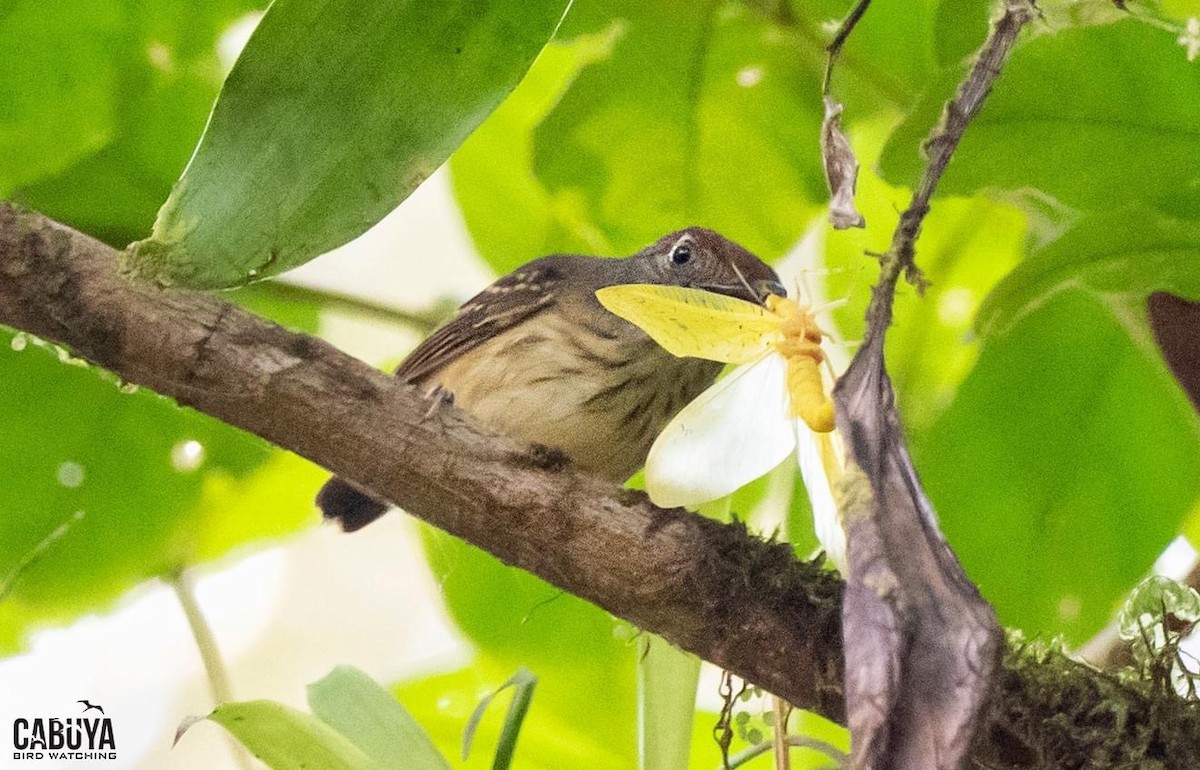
x: 711, y: 589
x: 743, y: 604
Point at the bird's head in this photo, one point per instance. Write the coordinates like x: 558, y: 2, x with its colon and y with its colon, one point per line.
x: 702, y: 259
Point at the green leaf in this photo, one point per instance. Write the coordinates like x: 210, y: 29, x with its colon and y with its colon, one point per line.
x: 692, y: 119
x: 887, y: 59
x: 71, y: 441
x: 648, y: 116
x: 107, y: 96
x: 1066, y: 463
x: 515, y: 619
x: 57, y: 84
x: 1124, y: 256
x: 959, y: 29
x: 1095, y: 118
x: 667, y: 679
x: 523, y: 683
x: 287, y: 739
x: 509, y: 213
x: 352, y: 703
x: 332, y: 115
x: 1181, y: 10
x: 159, y: 487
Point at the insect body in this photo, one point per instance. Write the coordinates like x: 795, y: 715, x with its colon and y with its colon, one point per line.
x: 799, y: 343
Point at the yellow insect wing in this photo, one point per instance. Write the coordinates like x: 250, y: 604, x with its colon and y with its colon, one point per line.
x: 694, y: 322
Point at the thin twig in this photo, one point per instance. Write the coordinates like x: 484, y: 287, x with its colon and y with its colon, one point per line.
x: 910, y: 613
x: 940, y: 147
x: 422, y: 321
x: 782, y: 710
x: 210, y: 654
x: 839, y: 39
x: 794, y: 742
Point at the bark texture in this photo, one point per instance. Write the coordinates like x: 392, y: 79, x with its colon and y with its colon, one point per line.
x: 714, y: 590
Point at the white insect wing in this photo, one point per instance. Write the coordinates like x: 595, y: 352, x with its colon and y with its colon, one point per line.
x: 734, y: 432
x: 816, y: 453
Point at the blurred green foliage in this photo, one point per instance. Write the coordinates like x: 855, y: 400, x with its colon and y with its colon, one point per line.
x: 159, y: 488
x: 113, y: 97
x: 1093, y: 118
x: 1059, y: 452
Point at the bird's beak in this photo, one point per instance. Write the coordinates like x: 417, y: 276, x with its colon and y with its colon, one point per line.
x: 768, y: 287
x: 757, y: 292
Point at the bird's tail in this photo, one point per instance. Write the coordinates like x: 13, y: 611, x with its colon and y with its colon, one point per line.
x: 351, y: 505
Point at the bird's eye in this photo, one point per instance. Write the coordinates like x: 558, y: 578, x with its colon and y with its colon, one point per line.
x: 681, y: 254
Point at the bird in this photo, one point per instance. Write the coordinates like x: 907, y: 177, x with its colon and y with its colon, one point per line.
x: 535, y: 356
x: 88, y: 706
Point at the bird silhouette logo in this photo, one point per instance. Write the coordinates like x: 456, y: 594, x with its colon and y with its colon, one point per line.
x: 88, y: 706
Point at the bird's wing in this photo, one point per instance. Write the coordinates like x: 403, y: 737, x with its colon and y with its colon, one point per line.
x: 509, y: 301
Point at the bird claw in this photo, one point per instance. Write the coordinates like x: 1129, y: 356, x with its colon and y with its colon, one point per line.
x: 438, y: 397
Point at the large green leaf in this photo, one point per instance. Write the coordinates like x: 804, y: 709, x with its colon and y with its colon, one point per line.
x: 693, y: 119
x: 509, y: 213
x: 1096, y: 118
x: 1066, y: 463
x: 104, y: 102
x: 72, y: 441
x: 57, y: 84
x: 287, y: 739
x: 655, y: 115
x: 891, y: 51
x: 966, y: 247
x: 352, y: 703
x: 959, y: 28
x: 333, y: 114
x: 1123, y: 256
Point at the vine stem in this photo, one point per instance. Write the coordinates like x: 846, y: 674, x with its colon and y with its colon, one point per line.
x: 940, y: 147
x: 910, y: 614
x: 793, y: 742
x: 422, y: 321
x: 184, y: 587
x: 839, y: 39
